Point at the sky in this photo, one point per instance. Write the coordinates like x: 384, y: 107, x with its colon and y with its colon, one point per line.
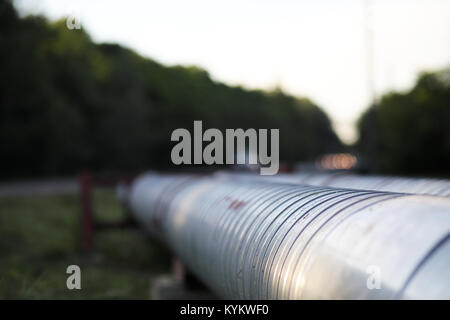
x: 320, y: 49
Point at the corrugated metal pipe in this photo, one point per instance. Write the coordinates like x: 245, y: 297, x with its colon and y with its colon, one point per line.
x: 437, y: 187
x: 256, y: 239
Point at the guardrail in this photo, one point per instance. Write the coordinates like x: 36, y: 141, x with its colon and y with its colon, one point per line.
x: 250, y: 239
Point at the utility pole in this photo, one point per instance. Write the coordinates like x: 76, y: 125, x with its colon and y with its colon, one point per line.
x: 371, y: 142
x: 370, y: 51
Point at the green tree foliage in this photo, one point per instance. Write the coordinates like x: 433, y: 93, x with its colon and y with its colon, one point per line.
x: 67, y: 103
x: 409, y: 133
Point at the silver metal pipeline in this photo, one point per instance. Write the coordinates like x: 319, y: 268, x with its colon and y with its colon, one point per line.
x: 251, y: 239
x: 437, y: 187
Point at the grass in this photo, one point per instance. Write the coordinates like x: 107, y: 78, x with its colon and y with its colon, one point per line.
x: 40, y: 238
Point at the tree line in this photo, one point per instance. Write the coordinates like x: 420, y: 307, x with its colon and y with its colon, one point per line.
x: 408, y: 133
x: 68, y: 103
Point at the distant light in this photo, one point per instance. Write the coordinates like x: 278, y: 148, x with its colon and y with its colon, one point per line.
x: 336, y: 161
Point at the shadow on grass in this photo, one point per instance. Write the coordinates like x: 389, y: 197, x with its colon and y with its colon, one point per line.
x: 39, y: 238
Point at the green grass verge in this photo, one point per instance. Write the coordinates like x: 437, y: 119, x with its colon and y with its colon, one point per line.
x: 40, y: 237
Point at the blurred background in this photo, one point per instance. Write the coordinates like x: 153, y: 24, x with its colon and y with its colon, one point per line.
x: 99, y: 86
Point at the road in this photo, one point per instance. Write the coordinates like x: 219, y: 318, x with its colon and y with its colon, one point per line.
x: 39, y: 187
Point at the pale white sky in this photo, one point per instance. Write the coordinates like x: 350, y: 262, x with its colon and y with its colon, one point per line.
x: 312, y: 48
